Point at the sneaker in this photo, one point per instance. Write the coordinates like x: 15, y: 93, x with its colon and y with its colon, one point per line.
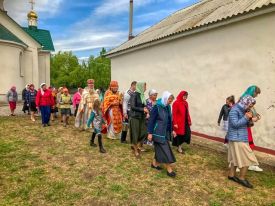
x: 255, y: 168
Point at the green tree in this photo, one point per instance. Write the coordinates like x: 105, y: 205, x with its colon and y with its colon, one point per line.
x: 67, y: 71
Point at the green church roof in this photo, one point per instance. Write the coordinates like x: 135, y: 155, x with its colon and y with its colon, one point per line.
x: 42, y: 36
x: 6, y: 35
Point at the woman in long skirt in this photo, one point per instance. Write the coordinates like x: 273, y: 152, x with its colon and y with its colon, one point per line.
x: 181, y: 121
x: 160, y: 131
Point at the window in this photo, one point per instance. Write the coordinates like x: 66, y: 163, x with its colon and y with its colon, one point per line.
x: 21, y: 64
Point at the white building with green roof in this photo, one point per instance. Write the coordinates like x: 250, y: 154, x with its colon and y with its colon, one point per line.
x: 24, y: 53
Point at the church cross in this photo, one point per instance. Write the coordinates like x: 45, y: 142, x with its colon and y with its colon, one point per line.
x: 32, y: 2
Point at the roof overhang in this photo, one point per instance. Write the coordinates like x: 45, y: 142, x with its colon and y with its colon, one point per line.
x: 13, y: 43
x: 224, y: 22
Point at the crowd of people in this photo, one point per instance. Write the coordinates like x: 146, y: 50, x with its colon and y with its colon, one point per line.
x: 153, y: 121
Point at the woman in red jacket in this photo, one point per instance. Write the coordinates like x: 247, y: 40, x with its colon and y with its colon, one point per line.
x: 44, y: 100
x: 181, y: 121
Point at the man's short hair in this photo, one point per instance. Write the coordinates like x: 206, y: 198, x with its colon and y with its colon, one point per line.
x: 133, y: 83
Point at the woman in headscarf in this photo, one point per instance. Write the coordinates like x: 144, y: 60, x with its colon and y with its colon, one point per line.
x: 112, y: 110
x: 12, y: 98
x: 150, y: 103
x: 160, y: 131
x: 181, y: 121
x: 77, y: 99
x: 252, y: 91
x: 24, y: 96
x: 138, y: 114
x: 85, y: 107
x: 30, y: 98
x: 45, y: 101
x: 240, y: 155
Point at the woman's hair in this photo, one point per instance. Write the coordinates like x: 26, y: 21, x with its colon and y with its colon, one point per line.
x: 231, y: 99
x: 257, y: 90
x: 96, y: 106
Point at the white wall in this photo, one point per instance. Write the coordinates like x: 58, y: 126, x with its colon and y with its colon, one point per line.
x: 44, y: 67
x: 29, y: 62
x: 10, y: 69
x: 211, y: 66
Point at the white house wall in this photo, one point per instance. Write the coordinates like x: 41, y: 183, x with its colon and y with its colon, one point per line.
x: 211, y: 66
x: 44, y: 67
x: 10, y: 69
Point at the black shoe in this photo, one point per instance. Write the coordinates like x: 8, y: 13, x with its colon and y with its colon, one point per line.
x: 245, y: 183
x: 124, y: 142
x: 102, y: 150
x: 93, y: 144
x: 234, y: 178
x: 44, y: 125
x: 156, y: 167
x: 171, y: 174
x: 48, y: 124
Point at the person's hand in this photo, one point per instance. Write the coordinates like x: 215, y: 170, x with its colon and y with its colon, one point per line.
x: 150, y: 137
x: 255, y: 119
x: 248, y: 115
x: 145, y: 110
x: 147, y: 116
x: 176, y: 126
x: 174, y: 134
x: 125, y: 116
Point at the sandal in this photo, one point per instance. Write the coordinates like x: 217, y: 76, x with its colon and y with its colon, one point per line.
x: 156, y: 167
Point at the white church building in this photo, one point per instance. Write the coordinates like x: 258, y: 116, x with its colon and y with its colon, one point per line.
x: 212, y: 49
x: 24, y: 53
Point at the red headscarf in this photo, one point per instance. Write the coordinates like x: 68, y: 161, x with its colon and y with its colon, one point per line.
x: 180, y: 98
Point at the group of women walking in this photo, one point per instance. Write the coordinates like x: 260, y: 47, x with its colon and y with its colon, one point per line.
x: 154, y: 121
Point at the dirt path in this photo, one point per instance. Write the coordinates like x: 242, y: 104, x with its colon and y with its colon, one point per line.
x: 5, y: 109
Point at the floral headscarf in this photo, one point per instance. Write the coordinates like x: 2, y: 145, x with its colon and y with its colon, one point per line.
x: 246, y: 101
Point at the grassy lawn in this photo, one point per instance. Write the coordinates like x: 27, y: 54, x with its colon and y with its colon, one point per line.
x: 54, y: 166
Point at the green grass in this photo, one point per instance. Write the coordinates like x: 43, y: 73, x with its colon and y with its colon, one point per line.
x: 54, y: 166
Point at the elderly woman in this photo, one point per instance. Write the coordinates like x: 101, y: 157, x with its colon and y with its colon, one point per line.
x: 160, y: 131
x: 77, y: 99
x: 253, y: 91
x: 12, y: 98
x: 30, y: 98
x: 181, y: 121
x: 138, y: 114
x: 150, y: 103
x: 240, y: 155
x: 24, y: 96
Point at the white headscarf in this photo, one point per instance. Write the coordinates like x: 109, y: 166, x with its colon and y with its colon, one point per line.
x: 152, y: 91
x: 165, y: 97
x: 42, y: 91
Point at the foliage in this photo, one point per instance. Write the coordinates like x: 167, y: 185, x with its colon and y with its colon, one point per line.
x: 67, y: 71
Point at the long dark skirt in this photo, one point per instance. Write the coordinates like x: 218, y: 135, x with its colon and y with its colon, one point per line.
x: 25, y: 107
x: 180, y: 139
x: 164, y: 153
x: 138, y: 130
